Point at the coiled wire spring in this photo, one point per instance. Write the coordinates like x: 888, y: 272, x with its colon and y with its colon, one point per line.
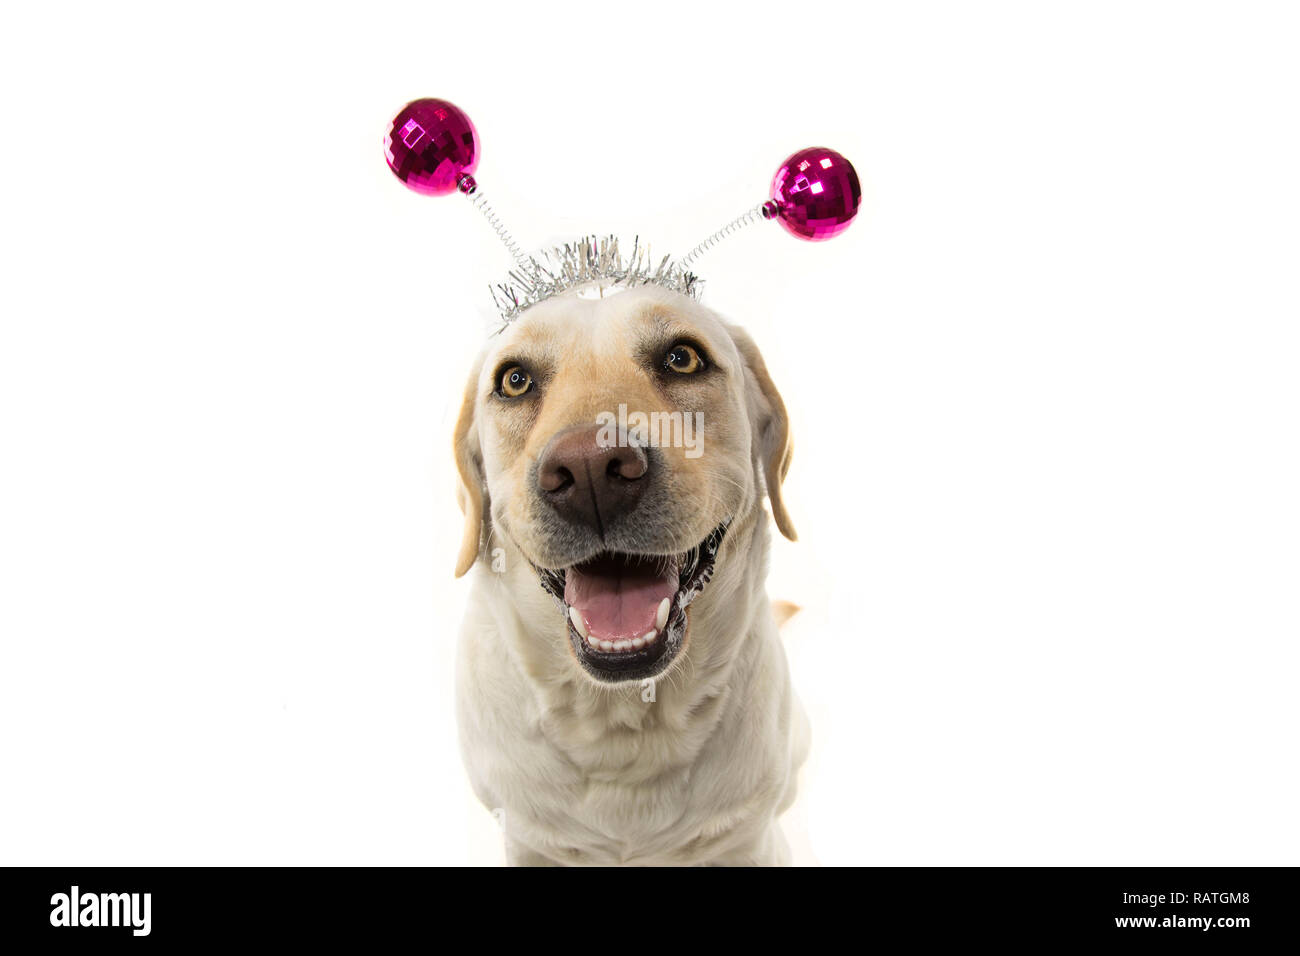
x: 479, y: 201
x: 740, y: 222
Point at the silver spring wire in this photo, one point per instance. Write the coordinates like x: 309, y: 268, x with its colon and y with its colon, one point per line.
x: 482, y: 205
x: 740, y: 222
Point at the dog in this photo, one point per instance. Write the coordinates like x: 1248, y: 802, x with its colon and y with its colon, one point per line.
x: 623, y: 697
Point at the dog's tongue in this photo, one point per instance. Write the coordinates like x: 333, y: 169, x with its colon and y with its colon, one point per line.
x: 619, y: 600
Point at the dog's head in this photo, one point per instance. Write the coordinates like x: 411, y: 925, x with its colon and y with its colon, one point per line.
x: 613, y: 442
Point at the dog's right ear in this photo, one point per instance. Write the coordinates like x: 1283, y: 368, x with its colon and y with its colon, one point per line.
x: 469, y: 463
x: 772, y: 443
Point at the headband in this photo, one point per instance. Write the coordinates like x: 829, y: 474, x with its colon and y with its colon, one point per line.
x: 433, y: 148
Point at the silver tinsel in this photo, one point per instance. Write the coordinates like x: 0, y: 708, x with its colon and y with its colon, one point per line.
x: 591, y: 260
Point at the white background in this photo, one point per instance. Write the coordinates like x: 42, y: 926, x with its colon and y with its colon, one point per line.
x: 1044, y: 393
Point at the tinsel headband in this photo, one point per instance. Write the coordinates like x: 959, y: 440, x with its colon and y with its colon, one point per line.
x: 433, y: 148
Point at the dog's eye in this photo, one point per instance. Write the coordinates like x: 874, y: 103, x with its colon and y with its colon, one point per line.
x: 515, y: 382
x: 683, y: 359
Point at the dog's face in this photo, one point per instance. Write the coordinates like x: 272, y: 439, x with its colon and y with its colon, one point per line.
x: 613, y: 442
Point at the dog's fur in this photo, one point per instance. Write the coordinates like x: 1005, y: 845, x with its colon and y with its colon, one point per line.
x: 581, y: 772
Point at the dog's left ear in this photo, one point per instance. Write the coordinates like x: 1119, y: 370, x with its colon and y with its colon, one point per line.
x: 469, y: 462
x: 772, y: 442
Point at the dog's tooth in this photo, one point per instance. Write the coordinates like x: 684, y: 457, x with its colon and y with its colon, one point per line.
x: 606, y: 645
x: 638, y: 643
x: 579, y: 624
x: 622, y: 645
x: 595, y: 644
x: 661, y: 618
x: 648, y: 636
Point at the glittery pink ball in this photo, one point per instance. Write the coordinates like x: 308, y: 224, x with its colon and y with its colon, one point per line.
x: 817, y: 193
x: 430, y: 145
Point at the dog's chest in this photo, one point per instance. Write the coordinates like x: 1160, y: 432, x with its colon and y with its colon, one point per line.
x: 605, y: 817
x: 588, y: 792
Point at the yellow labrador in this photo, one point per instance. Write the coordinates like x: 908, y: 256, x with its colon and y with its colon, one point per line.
x: 622, y: 693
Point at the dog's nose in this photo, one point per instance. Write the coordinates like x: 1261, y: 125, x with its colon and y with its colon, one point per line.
x: 589, y: 480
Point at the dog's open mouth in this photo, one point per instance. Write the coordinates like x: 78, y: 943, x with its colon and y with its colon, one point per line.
x: 627, y: 612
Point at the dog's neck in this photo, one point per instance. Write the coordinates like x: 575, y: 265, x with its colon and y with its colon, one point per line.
x: 675, y: 713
